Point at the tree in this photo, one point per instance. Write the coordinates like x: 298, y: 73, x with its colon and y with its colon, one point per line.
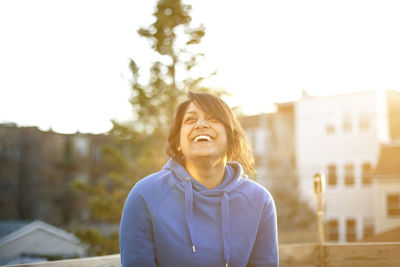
x: 296, y: 219
x: 138, y: 146
x: 293, y: 212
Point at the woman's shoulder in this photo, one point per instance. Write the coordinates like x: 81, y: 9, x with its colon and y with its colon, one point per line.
x: 151, y: 190
x: 154, y: 183
x: 255, y: 192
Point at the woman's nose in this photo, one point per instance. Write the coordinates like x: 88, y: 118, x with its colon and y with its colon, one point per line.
x: 202, y: 124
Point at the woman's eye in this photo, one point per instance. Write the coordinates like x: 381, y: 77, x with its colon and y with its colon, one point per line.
x: 213, y: 119
x: 189, y: 119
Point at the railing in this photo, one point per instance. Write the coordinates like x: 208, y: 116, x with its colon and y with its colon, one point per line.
x: 341, y: 255
x: 102, y: 261
x: 299, y: 255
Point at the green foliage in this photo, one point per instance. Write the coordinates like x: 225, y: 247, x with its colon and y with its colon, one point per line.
x: 293, y: 213
x: 98, y: 244
x: 138, y: 148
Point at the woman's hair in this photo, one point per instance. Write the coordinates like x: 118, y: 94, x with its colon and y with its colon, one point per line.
x: 238, y: 148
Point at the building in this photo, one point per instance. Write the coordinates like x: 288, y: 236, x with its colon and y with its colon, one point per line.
x: 272, y: 140
x: 386, y: 189
x: 26, y: 242
x: 257, y: 132
x: 341, y: 136
x: 37, y: 168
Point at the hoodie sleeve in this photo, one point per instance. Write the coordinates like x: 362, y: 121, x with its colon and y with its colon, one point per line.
x: 265, y: 250
x: 136, y: 235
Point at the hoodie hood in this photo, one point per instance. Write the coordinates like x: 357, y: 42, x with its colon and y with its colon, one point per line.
x: 233, y: 178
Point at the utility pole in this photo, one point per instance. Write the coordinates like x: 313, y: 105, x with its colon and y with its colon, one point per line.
x: 319, y: 189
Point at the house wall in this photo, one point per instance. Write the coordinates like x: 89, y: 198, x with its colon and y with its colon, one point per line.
x: 383, y: 187
x: 332, y: 131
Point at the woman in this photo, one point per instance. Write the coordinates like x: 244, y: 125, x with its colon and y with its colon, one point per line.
x: 201, y: 209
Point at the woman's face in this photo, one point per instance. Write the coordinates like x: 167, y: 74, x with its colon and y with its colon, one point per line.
x: 202, y: 136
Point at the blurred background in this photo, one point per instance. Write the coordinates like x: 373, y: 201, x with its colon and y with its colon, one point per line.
x: 87, y: 90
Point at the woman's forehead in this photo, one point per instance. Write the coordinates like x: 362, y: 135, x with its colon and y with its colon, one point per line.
x: 193, y: 109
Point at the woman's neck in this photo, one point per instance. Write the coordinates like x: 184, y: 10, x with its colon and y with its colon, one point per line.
x: 209, y: 174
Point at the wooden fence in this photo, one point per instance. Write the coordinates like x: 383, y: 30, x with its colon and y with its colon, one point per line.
x: 341, y: 255
x: 299, y: 255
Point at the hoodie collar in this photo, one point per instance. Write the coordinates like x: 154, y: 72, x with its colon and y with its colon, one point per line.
x: 233, y: 177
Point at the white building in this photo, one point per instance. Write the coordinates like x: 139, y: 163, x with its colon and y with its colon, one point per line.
x: 340, y: 136
x: 32, y: 242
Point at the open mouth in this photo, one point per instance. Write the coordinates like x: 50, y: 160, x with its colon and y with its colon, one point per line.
x: 202, y: 138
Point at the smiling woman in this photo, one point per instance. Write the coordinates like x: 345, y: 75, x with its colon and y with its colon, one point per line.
x: 214, y: 111
x: 203, y: 141
x: 201, y: 209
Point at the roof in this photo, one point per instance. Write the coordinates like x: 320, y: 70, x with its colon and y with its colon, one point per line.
x: 35, y: 239
x: 9, y: 226
x: 307, y: 96
x: 281, y: 105
x: 22, y: 228
x: 389, y: 160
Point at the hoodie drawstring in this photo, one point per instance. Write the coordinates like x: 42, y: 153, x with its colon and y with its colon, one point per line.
x: 189, y: 211
x: 224, y: 218
x: 225, y: 227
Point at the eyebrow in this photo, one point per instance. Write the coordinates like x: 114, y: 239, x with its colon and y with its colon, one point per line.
x: 191, y: 112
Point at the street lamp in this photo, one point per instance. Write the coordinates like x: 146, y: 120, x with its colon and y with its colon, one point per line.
x: 319, y: 189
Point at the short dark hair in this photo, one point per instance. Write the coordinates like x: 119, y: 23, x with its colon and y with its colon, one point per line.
x: 238, y: 148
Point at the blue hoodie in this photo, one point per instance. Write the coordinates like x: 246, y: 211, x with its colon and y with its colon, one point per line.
x: 170, y: 219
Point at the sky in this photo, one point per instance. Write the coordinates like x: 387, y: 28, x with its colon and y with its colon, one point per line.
x: 64, y: 64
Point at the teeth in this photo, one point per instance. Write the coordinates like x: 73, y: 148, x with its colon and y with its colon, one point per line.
x: 202, y: 137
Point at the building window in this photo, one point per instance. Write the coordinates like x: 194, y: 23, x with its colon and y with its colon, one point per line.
x: 364, y: 122
x: 347, y: 126
x: 254, y: 142
x: 84, y: 177
x: 350, y: 230
x: 393, y: 205
x: 349, y: 174
x: 259, y: 145
x: 368, y: 227
x: 251, y: 137
x: 258, y: 160
x: 366, y: 174
x: 97, y: 153
x: 82, y: 146
x: 330, y: 129
x: 332, y: 230
x: 332, y: 179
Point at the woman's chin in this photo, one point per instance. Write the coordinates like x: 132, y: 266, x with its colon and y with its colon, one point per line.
x: 206, y: 156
